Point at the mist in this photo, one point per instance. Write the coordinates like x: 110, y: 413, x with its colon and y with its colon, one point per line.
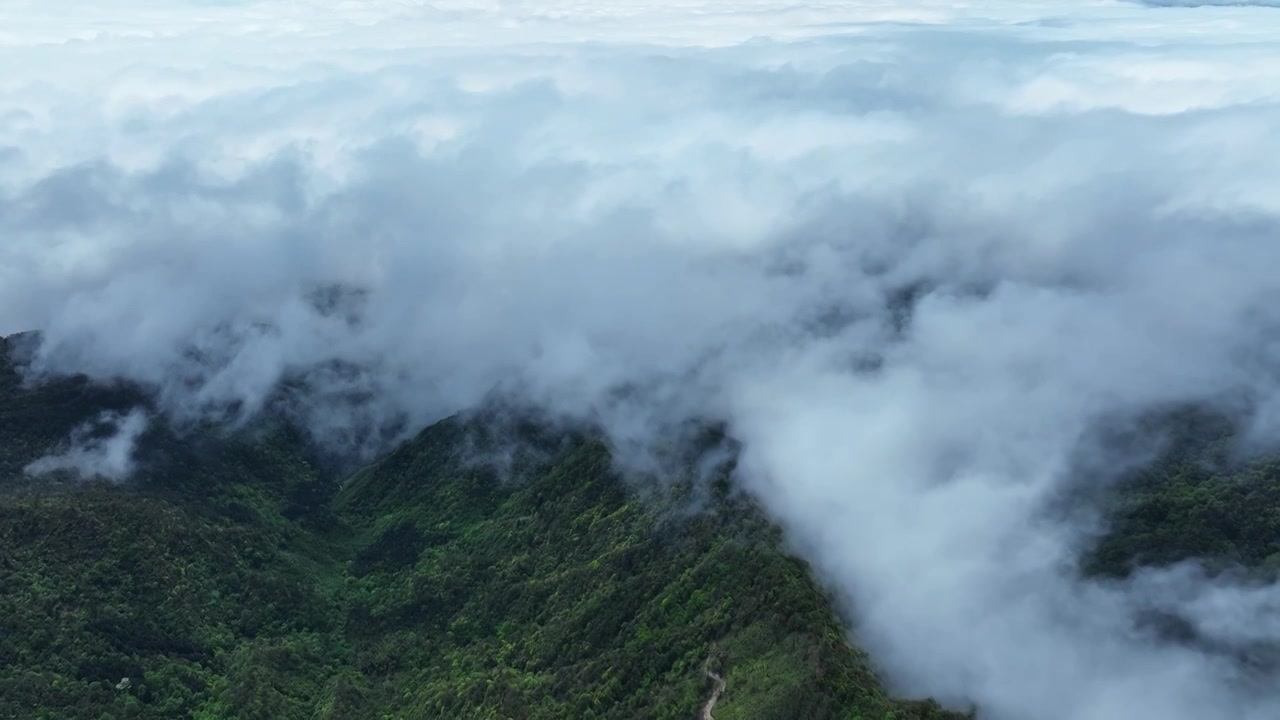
x: 911, y: 255
x: 102, y: 448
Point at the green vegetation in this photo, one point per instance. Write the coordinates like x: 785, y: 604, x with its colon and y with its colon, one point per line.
x: 232, y: 579
x: 1184, y: 509
x: 1193, y: 502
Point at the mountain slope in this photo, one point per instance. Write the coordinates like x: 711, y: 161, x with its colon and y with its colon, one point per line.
x: 565, y: 595
x: 232, y: 579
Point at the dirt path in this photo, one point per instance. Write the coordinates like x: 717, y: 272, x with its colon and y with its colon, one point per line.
x: 715, y: 692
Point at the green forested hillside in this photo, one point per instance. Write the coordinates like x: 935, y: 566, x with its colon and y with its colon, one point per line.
x: 232, y: 579
x: 1184, y: 510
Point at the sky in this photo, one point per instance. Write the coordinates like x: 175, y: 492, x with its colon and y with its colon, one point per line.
x: 913, y: 254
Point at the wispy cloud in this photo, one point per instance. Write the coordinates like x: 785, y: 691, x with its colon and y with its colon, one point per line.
x: 102, y: 448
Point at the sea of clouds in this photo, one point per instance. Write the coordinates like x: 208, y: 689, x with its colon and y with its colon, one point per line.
x: 912, y: 253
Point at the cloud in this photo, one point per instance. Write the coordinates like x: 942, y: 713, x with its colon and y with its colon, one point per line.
x: 101, y: 448
x: 912, y: 255
x: 1211, y: 3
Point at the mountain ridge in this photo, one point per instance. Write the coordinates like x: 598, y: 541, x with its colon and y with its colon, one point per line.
x: 231, y: 577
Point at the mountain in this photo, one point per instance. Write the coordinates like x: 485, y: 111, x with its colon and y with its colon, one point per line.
x: 235, y: 576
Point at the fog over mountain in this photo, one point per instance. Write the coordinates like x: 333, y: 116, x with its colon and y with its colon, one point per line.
x: 914, y: 255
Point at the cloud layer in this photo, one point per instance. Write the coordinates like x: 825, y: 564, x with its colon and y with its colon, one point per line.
x: 912, y: 254
x: 1212, y: 3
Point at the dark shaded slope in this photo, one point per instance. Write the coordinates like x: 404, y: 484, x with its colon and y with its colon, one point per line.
x: 1184, y: 510
x: 100, y: 587
x: 34, y: 419
x: 171, y: 598
x: 1194, y: 501
x: 203, y: 588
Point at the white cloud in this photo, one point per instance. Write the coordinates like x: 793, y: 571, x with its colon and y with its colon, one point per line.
x: 713, y: 207
x: 1211, y: 3
x: 102, y: 448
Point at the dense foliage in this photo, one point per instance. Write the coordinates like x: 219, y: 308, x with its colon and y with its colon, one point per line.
x: 231, y: 579
x: 1183, y: 510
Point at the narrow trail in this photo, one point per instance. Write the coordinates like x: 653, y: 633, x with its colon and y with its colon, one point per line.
x: 716, y: 692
